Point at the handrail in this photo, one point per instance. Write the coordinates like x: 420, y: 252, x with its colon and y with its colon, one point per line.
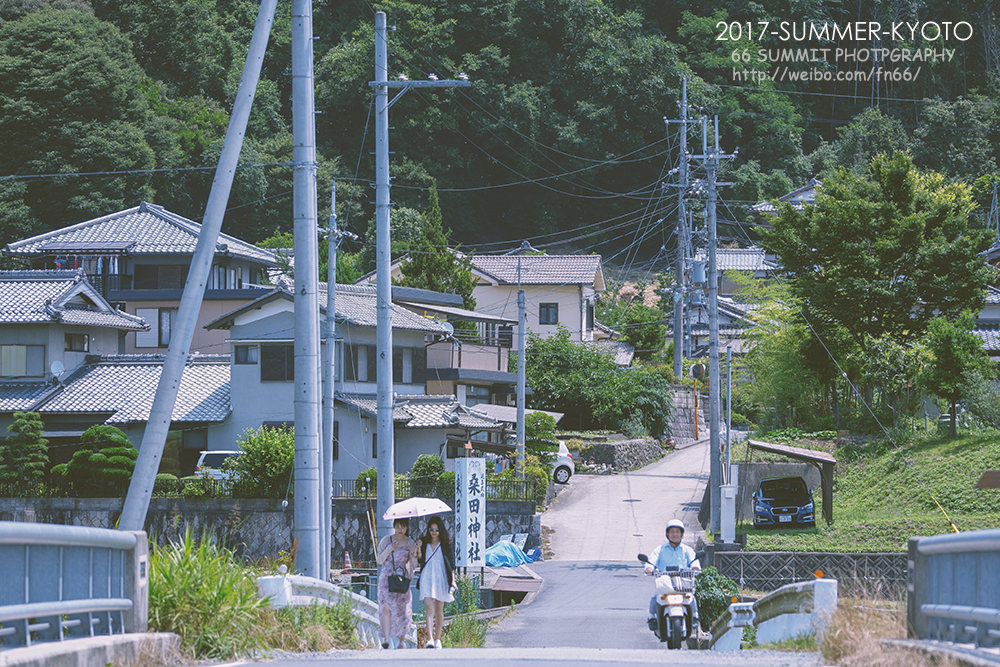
x: 43, y: 534
x: 955, y: 543
x: 65, y: 607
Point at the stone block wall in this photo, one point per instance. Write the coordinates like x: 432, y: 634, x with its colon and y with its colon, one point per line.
x: 622, y: 455
x: 254, y: 529
x: 682, y: 423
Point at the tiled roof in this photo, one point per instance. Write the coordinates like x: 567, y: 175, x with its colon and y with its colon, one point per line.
x: 619, y: 349
x: 58, y: 296
x: 124, y: 385
x: 356, y: 304
x: 15, y: 396
x: 797, y: 198
x: 541, y: 269
x: 142, y: 230
x: 737, y: 259
x: 990, y: 336
x: 992, y: 294
x: 425, y: 411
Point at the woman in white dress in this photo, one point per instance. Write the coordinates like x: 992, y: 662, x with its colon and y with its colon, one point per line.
x: 437, y: 577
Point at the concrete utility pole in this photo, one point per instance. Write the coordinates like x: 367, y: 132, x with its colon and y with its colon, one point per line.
x: 522, y: 369
x: 682, y: 239
x: 381, y: 84
x: 329, y: 390
x: 151, y: 450
x: 308, y: 489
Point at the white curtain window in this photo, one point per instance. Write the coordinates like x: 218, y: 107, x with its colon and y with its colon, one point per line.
x: 149, y: 338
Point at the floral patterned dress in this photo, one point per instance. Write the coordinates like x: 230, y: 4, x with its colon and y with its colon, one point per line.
x: 400, y: 604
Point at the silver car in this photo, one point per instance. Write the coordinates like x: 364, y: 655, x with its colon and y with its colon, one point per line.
x: 564, y: 467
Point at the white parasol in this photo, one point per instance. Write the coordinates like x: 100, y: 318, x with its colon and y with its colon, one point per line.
x: 413, y: 507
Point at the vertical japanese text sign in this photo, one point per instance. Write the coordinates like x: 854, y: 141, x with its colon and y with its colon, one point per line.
x: 470, y: 513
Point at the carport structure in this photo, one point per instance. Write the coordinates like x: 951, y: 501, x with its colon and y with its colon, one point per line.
x: 825, y: 462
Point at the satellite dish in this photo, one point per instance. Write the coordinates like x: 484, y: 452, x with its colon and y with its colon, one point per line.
x: 449, y: 327
x: 57, y: 369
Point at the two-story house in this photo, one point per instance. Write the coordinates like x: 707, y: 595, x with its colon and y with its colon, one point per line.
x: 138, y: 259
x: 261, y: 334
x: 560, y: 290
x: 58, y: 356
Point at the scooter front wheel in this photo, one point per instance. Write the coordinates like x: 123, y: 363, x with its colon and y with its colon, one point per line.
x: 676, y: 632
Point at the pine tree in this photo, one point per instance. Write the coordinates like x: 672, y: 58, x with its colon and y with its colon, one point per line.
x: 433, y: 265
x: 24, y: 455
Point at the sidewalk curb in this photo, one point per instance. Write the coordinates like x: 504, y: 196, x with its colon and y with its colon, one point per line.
x: 129, y: 649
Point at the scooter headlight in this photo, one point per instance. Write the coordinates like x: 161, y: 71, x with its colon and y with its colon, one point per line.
x: 675, y: 599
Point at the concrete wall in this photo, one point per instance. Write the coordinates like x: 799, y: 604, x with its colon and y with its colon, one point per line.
x: 53, y: 336
x: 751, y: 474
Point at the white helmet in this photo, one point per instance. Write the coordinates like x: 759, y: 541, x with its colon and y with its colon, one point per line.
x: 675, y: 523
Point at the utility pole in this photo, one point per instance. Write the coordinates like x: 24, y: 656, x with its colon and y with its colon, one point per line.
x: 308, y: 489
x: 384, y: 398
x: 522, y: 368
x: 160, y: 415
x: 711, y: 159
x: 682, y: 239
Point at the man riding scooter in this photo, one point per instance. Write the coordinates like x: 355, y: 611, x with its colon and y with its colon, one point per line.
x: 673, y: 554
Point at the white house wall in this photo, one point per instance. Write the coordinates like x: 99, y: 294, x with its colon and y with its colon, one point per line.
x: 572, y: 302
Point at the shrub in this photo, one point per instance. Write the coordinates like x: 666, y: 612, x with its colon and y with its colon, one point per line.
x: 24, y: 455
x: 167, y: 485
x: 465, y: 630
x: 201, y: 593
x: 446, y: 485
x: 367, y: 482
x: 316, y: 627
x: 104, y: 463
x: 424, y: 474
x: 714, y: 593
x: 265, y: 466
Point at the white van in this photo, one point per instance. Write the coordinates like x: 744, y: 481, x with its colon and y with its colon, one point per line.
x: 210, y: 463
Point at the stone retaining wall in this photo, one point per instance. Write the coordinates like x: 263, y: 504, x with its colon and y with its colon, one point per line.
x: 253, y: 528
x: 622, y: 455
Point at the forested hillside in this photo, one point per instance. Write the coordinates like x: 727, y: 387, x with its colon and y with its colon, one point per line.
x: 562, y: 132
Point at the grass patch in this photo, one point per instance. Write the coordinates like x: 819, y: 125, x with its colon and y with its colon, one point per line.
x: 882, y: 495
x: 801, y: 644
x: 203, y: 594
x: 465, y: 630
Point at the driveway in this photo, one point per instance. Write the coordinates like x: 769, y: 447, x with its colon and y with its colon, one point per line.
x: 615, y: 517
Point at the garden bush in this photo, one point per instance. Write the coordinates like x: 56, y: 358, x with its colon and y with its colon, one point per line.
x: 103, y: 465
x: 24, y: 454
x: 714, y: 593
x: 424, y: 474
x: 265, y: 467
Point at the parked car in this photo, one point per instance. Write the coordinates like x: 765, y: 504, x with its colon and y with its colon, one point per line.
x: 781, y: 501
x: 210, y: 464
x: 564, y: 467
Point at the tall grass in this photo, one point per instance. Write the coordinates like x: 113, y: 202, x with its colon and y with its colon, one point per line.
x: 201, y: 593
x: 464, y: 629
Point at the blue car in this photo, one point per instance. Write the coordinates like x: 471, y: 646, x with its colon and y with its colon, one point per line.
x: 783, y: 501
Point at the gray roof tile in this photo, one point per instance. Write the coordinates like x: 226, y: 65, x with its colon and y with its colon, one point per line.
x: 125, y: 385
x: 28, y: 297
x: 737, y: 259
x: 541, y: 269
x: 990, y: 337
x: 425, y: 411
x: 15, y: 396
x: 142, y: 230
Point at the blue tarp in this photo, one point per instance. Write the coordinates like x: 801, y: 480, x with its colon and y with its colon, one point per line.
x: 505, y: 554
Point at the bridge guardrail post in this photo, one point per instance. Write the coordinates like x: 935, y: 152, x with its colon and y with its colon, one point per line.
x: 137, y: 583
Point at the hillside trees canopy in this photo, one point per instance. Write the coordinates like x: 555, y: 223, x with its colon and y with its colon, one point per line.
x: 882, y: 254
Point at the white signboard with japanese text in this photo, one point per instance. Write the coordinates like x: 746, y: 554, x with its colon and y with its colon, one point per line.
x: 470, y: 513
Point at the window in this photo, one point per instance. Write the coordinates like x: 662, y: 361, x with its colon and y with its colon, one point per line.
x: 151, y: 276
x: 22, y: 360
x: 160, y: 321
x: 359, y: 361
x: 476, y: 395
x: 246, y: 354
x: 336, y: 440
x: 409, y: 365
x: 374, y: 445
x: 277, y: 363
x: 590, y: 315
x: 77, y: 342
x: 548, y: 313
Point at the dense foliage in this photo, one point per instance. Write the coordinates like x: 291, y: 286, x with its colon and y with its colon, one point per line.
x: 103, y: 465
x: 24, y: 454
x: 266, y: 465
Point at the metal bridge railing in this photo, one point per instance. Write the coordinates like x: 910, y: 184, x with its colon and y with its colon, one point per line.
x: 953, y: 589
x: 65, y: 582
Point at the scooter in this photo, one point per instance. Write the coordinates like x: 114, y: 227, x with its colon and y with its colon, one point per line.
x: 674, y: 597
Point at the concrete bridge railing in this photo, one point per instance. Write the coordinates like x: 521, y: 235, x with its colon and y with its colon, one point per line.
x: 794, y: 610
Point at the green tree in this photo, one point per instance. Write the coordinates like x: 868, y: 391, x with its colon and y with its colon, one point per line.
x: 954, y: 352
x: 425, y: 473
x: 883, y: 254
x: 103, y: 464
x: 266, y: 463
x: 869, y: 134
x: 433, y: 264
x: 540, y: 437
x: 24, y: 455
x: 644, y: 330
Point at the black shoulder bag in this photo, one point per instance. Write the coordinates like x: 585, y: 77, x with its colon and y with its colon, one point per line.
x: 397, y: 582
